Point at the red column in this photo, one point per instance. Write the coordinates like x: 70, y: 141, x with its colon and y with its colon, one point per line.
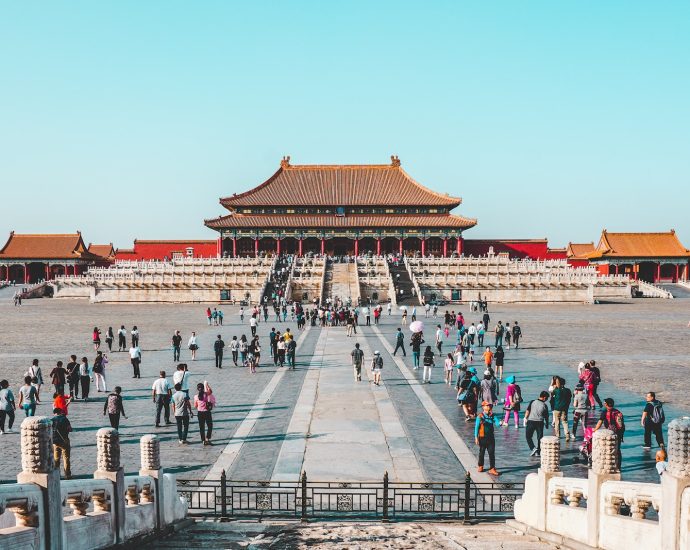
x: 378, y: 247
x: 219, y: 247
x: 445, y: 247
x: 278, y: 246
x: 47, y: 272
x: 400, y: 243
x: 234, y: 247
x: 26, y: 274
x: 658, y: 272
x: 423, y: 247
x: 458, y: 245
x: 356, y: 247
x: 299, y: 251
x: 677, y: 273
x: 256, y: 246
x: 323, y: 245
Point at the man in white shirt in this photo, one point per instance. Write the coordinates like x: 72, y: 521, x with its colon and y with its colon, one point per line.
x: 472, y: 331
x: 181, y: 376
x: 439, y: 338
x: 160, y: 393
x: 252, y: 325
x: 135, y: 358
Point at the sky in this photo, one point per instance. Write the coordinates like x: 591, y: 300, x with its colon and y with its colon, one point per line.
x: 129, y: 119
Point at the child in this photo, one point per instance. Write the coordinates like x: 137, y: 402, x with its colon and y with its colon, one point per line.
x: 661, y: 461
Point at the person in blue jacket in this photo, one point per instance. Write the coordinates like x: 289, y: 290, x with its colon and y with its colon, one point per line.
x: 484, y: 437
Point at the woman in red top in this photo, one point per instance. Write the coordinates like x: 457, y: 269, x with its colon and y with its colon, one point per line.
x: 61, y: 402
x: 96, y: 338
x: 204, y: 401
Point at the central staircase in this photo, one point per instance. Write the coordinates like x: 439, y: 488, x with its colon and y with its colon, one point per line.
x: 401, y: 280
x: 341, y: 282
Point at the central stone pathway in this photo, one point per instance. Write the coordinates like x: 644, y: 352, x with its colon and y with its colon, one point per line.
x: 342, y: 429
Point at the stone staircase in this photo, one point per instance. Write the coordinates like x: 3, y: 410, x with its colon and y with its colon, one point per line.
x: 401, y: 280
x: 341, y: 282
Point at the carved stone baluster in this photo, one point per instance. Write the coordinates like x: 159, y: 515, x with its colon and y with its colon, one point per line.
x: 639, y: 507
x: 557, y: 496
x: 613, y: 505
x: 79, y: 503
x: 574, y: 498
x: 25, y: 515
x: 132, y: 495
x: 101, y: 502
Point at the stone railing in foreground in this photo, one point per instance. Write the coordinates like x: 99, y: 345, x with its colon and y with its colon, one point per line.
x: 40, y: 511
x: 602, y: 511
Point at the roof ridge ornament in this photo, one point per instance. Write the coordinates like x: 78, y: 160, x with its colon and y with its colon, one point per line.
x: 285, y: 162
x: 395, y: 160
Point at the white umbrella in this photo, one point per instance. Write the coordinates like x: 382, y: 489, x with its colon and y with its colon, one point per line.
x: 403, y: 308
x: 416, y: 326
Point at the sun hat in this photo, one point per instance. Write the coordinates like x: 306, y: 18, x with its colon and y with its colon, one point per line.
x: 485, y: 403
x: 472, y: 370
x: 510, y: 380
x: 377, y: 353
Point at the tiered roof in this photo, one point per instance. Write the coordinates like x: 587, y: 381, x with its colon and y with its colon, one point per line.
x: 46, y: 247
x: 106, y: 251
x: 579, y: 251
x: 639, y: 245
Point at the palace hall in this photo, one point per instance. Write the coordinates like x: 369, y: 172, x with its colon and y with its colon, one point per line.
x: 340, y: 210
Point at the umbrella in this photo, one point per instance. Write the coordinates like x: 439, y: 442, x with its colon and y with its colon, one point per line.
x: 416, y: 326
x: 403, y: 308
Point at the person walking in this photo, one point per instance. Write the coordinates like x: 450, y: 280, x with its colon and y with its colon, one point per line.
x: 208, y: 315
x: 416, y: 344
x: 512, y: 401
x: 109, y: 337
x: 357, y: 359
x: 498, y: 335
x: 135, y: 359
x: 73, y: 377
x: 218, y: 347
x: 98, y: 370
x: 281, y: 351
x: 182, y: 410
x: 58, y: 377
x: 114, y: 407
x: 234, y: 349
x: 85, y: 376
x: 192, y: 345
x: 96, y: 337
x: 204, y: 403
x: 517, y: 334
x: 181, y: 376
x: 612, y: 419
x: 596, y: 380
x: 499, y: 358
x: 536, y: 418
x: 488, y: 388
x: 560, y: 404
x: 580, y: 409
x: 448, y: 366
x: 135, y: 336
x: 428, y: 362
x: 652, y: 421
x: 376, y: 367
x: 290, y: 349
x: 507, y: 334
x: 35, y: 372
x: 176, y: 345
x: 28, y: 397
x: 122, y: 339
x: 484, y: 437
x: 399, y: 342
x: 7, y: 407
x: 161, y: 390
x: 488, y: 357
x: 439, y: 338
x: 61, y: 443
x: 252, y: 325
x: 481, y: 331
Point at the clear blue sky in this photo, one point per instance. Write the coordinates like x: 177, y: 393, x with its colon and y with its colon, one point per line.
x: 551, y: 119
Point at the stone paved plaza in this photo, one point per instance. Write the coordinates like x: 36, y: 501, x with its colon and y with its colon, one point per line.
x: 277, y: 422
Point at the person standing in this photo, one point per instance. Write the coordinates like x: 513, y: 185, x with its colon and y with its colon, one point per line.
x: 109, y: 337
x: 181, y: 376
x: 35, y: 372
x: 357, y: 359
x: 161, y: 390
x: 204, y: 402
x: 536, y: 418
x: 192, y: 345
x: 416, y: 344
x: 114, y: 407
x: 376, y: 367
x: 208, y: 315
x: 281, y: 351
x: 252, y: 325
x: 28, y: 397
x: 517, y: 334
x: 560, y: 403
x: 448, y: 366
x: 218, y: 347
x: 135, y: 337
x: 182, y: 410
x: 122, y: 339
x: 98, y: 370
x: 7, y: 407
x: 484, y: 437
x: 498, y: 334
x: 512, y: 402
x: 652, y: 421
x: 234, y: 349
x: 596, y: 380
x: 96, y: 338
x: 61, y: 443
x: 428, y: 362
x: 58, y: 377
x: 439, y: 338
x: 85, y: 378
x: 399, y: 342
x: 499, y: 357
x: 272, y: 343
x: 290, y: 349
x: 73, y: 377
x: 612, y: 419
x: 580, y: 409
x: 176, y: 345
x: 135, y: 359
x: 481, y: 331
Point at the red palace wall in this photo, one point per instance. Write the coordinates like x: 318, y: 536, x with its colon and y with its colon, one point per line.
x: 533, y: 249
x: 160, y: 250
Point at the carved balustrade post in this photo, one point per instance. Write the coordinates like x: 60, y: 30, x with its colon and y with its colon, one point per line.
x: 674, y: 481
x: 550, y: 466
x: 38, y: 468
x: 108, y: 467
x: 151, y: 466
x: 605, y: 467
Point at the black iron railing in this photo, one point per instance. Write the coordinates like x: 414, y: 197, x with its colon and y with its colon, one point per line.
x: 382, y: 500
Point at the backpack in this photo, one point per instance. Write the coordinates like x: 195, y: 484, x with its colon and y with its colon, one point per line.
x: 657, y: 416
x: 616, y: 422
x: 98, y: 367
x: 517, y: 395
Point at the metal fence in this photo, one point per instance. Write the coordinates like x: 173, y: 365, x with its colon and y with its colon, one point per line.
x: 384, y: 500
